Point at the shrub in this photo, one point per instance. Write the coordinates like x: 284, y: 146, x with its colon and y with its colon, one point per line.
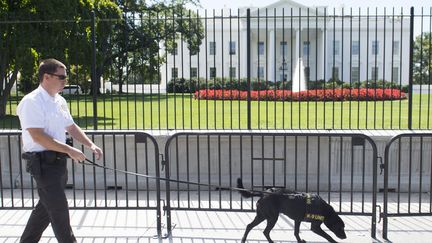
x: 182, y: 85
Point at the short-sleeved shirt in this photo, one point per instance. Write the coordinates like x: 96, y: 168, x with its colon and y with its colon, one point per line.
x: 39, y: 109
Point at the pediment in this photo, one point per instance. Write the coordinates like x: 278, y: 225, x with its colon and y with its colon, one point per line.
x: 287, y: 6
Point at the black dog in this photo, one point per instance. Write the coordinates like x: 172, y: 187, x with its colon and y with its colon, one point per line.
x: 297, y: 206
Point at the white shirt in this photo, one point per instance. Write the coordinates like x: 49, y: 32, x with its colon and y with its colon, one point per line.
x: 39, y: 109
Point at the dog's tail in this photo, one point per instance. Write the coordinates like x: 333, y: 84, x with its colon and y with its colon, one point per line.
x: 247, y: 193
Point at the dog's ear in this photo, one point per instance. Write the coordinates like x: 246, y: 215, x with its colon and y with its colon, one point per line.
x: 328, y: 210
x: 332, y: 219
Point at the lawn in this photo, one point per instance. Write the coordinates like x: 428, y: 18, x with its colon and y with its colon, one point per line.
x: 181, y: 111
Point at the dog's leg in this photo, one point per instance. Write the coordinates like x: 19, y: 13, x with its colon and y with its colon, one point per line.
x: 258, y: 219
x: 316, y: 228
x: 270, y: 224
x: 297, y: 231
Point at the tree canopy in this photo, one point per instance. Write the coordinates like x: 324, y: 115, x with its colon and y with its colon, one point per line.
x: 129, y: 34
x: 422, y: 58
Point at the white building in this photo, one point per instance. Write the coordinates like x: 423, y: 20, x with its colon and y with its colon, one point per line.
x: 289, y: 41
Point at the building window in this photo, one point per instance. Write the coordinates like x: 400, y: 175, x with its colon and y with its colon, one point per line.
x: 307, y: 73
x: 212, y: 48
x: 375, y: 47
x: 395, y: 75
x: 260, y: 72
x: 374, y: 73
x: 395, y: 48
x: 174, y: 50
x: 194, y: 72
x: 335, y: 73
x: 284, y: 48
x: 306, y: 48
x: 174, y: 72
x: 232, y: 48
x: 355, y: 48
x: 336, y: 48
x: 232, y: 72
x: 355, y: 74
x: 212, y: 72
x: 260, y: 48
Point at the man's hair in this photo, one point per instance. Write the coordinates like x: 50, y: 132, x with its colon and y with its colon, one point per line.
x: 49, y: 66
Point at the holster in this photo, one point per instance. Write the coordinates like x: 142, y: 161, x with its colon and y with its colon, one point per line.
x: 33, y: 163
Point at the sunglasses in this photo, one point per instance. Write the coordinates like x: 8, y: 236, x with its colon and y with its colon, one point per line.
x: 61, y: 77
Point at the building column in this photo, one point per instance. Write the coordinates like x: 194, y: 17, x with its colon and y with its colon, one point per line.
x: 297, y: 44
x: 271, y: 62
x: 321, y: 58
x: 296, y: 73
x: 244, y: 50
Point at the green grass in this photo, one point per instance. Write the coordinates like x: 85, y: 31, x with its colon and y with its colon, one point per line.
x: 181, y: 111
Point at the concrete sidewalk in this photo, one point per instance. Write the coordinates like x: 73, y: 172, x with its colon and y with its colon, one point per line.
x: 203, y: 226
x: 107, y: 225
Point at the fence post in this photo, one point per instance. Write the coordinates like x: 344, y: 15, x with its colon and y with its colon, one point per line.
x: 385, y: 200
x: 410, y: 78
x: 248, y: 45
x: 93, y: 70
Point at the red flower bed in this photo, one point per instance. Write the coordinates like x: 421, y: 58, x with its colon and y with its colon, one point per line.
x: 308, y: 95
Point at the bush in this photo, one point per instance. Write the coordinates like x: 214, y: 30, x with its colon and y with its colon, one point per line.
x: 191, y: 85
x: 182, y: 85
x: 284, y: 85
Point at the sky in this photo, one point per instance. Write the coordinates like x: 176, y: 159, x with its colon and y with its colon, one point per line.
x: 234, y: 4
x: 375, y: 6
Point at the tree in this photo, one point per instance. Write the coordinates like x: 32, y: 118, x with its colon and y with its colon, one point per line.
x: 136, y: 40
x: 31, y: 30
x: 422, y: 58
x: 128, y: 35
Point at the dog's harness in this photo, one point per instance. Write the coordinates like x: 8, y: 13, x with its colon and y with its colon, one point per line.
x: 313, y: 208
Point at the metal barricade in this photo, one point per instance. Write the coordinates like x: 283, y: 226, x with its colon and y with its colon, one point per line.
x: 407, y: 177
x: 91, y: 187
x: 201, y: 169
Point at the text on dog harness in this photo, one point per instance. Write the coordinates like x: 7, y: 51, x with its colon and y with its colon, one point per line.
x: 311, y: 208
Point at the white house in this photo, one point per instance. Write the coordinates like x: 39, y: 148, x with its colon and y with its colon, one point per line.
x: 290, y: 41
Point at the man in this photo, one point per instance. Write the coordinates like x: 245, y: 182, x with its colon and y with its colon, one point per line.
x: 45, y: 118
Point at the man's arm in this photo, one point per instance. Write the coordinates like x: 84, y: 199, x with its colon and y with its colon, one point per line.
x: 40, y: 137
x: 78, y: 134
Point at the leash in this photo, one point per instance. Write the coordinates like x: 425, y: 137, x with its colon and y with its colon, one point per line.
x: 69, y: 141
x: 92, y: 163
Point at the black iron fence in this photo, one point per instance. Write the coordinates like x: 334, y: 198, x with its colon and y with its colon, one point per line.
x: 279, y: 68
x: 91, y: 187
x: 407, y: 177
x: 201, y: 170
x: 342, y: 168
x: 198, y: 172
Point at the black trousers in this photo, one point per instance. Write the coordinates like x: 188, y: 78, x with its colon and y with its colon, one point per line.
x: 52, y: 206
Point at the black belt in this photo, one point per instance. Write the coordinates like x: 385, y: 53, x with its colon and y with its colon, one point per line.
x: 45, y: 155
x: 50, y: 154
x: 48, y: 157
